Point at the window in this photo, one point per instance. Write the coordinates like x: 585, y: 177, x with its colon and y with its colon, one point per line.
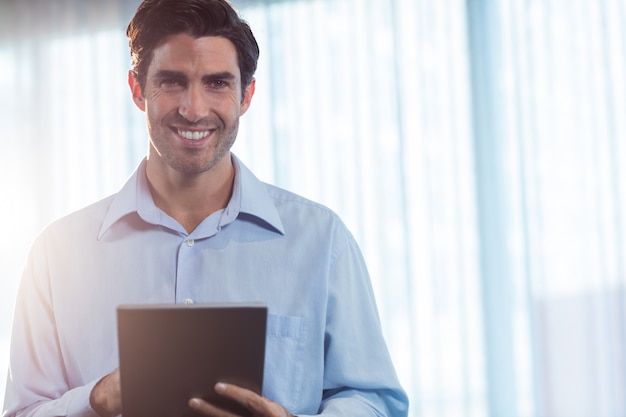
x: 474, y: 149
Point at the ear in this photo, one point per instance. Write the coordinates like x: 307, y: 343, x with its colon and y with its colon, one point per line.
x: 247, y: 97
x: 135, y: 90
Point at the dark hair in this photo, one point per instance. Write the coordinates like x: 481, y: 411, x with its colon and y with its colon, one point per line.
x: 157, y: 19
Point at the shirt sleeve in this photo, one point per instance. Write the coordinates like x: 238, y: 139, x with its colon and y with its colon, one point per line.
x: 359, y: 376
x: 37, y: 383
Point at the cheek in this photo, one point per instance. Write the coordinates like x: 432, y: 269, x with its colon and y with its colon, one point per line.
x: 232, y: 106
x: 160, y: 105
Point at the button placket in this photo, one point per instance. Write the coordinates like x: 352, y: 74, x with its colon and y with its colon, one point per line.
x: 183, y: 282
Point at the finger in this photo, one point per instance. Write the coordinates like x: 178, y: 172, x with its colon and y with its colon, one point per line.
x: 248, y: 399
x: 208, y: 409
x: 258, y: 405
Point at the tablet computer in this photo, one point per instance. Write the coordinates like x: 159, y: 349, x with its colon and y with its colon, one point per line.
x: 171, y: 353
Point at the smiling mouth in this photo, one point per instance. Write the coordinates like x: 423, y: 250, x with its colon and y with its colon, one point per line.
x: 193, y: 134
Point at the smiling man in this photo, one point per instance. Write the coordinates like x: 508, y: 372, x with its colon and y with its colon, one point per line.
x: 193, y: 224
x: 193, y: 97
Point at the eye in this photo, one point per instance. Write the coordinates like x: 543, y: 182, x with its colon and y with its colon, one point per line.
x: 218, y: 84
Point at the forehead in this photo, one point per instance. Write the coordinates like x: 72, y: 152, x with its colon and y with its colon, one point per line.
x: 204, y: 55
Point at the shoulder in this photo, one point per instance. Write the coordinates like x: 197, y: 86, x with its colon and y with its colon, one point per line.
x: 83, y: 223
x: 309, y: 218
x: 72, y: 236
x: 287, y: 201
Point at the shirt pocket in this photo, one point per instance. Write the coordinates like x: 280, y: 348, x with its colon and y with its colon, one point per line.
x: 285, y: 351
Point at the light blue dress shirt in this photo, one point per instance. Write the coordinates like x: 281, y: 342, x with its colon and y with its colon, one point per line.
x: 325, y: 351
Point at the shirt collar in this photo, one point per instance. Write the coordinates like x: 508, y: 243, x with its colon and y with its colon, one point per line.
x: 250, y: 197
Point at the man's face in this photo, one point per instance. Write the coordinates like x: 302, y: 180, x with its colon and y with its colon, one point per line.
x: 192, y: 100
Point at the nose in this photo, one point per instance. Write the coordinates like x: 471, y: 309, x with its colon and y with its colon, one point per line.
x: 193, y: 104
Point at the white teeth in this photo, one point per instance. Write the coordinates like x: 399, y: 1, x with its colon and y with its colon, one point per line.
x: 193, y: 135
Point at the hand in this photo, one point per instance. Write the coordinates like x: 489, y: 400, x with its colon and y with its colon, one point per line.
x: 258, y: 406
x: 106, y: 396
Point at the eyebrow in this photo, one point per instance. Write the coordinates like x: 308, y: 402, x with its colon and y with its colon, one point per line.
x: 225, y: 75
x: 169, y: 74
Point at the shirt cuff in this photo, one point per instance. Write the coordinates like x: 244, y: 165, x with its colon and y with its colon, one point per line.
x: 79, y: 405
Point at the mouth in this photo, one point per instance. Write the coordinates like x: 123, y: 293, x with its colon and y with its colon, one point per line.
x: 193, y: 134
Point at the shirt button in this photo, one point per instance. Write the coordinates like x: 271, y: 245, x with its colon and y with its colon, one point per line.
x: 188, y: 301
x: 190, y: 242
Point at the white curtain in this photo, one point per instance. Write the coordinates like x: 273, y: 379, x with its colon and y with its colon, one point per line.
x: 475, y: 149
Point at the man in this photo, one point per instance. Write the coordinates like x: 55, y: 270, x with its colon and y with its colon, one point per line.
x: 194, y: 225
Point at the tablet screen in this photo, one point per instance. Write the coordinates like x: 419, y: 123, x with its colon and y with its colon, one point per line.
x: 171, y: 353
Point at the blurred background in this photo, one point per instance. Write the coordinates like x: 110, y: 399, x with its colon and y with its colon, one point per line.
x: 476, y: 149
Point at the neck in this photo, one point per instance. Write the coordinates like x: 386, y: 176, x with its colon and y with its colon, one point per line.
x: 191, y: 198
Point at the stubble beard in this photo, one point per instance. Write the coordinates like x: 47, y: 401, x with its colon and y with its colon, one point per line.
x: 198, y: 161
